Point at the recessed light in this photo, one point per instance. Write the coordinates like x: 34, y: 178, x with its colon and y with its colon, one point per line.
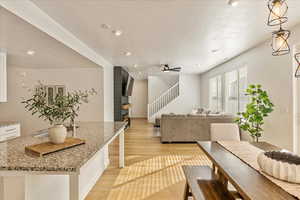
x: 215, y: 50
x: 105, y: 26
x: 127, y: 53
x: 30, y: 52
x: 233, y: 2
x: 117, y: 32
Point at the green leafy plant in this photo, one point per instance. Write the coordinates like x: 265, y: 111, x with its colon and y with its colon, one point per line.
x: 63, y: 108
x: 260, y: 107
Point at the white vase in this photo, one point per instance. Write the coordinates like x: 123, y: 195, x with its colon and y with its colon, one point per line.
x: 57, y: 134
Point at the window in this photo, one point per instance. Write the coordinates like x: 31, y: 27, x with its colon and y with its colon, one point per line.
x: 231, y: 92
x: 215, y: 94
x: 235, y: 87
x: 243, y: 84
x: 229, y: 96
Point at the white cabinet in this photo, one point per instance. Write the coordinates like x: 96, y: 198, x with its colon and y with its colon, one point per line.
x: 3, y: 78
x: 10, y: 132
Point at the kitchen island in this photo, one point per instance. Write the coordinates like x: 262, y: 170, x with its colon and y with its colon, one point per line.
x: 68, y: 174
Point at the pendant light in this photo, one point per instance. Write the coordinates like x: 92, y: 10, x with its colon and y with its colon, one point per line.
x: 278, y: 12
x: 280, y: 44
x: 297, y: 58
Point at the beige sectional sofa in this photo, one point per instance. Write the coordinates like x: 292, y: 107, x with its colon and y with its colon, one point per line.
x: 189, y: 128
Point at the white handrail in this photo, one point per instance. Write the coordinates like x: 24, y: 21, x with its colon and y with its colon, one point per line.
x: 166, y: 92
x: 163, y: 100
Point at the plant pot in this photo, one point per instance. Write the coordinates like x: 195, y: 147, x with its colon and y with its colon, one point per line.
x: 255, y: 139
x: 57, y: 134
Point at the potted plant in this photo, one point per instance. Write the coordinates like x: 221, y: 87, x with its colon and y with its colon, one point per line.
x: 259, y: 107
x: 75, y: 99
x: 63, y: 108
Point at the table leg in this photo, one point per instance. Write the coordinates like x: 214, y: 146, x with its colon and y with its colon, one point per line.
x: 214, y: 168
x: 186, y: 191
x: 74, y: 187
x: 121, y: 150
x: 223, y: 179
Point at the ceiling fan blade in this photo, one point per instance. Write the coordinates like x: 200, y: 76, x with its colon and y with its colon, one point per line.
x: 177, y: 68
x: 174, y: 70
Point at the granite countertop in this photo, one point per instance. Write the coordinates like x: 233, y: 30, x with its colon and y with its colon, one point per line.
x: 96, y: 134
x: 4, y: 124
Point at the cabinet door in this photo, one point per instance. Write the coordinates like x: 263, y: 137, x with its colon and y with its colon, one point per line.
x: 10, y: 132
x: 3, y: 78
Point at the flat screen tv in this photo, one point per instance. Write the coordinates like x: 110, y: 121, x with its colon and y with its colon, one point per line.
x: 127, y: 86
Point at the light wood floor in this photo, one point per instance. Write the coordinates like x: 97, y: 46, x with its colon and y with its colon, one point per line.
x: 153, y: 170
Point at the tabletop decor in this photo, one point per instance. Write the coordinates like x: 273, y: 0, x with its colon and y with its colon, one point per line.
x: 48, y: 147
x: 260, y: 107
x: 63, y: 108
x: 249, y: 152
x: 281, y: 165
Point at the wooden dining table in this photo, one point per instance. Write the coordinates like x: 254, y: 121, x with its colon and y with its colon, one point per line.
x: 249, y: 183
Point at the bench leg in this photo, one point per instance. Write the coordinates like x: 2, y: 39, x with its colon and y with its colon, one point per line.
x: 186, y: 191
x: 235, y: 195
x: 213, y: 168
x: 223, y: 180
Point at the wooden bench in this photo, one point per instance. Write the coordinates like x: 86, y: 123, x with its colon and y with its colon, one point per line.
x: 203, y: 184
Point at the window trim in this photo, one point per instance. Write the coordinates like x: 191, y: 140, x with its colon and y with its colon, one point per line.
x: 223, y: 87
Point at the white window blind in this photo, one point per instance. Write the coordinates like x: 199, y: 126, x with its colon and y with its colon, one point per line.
x: 243, y: 84
x: 235, y: 87
x: 231, y: 92
x: 227, y: 91
x: 215, y: 94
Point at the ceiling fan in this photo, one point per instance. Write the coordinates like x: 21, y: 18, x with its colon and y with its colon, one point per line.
x: 167, y: 68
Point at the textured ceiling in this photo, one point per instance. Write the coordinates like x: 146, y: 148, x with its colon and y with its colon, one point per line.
x: 17, y: 37
x: 179, y: 32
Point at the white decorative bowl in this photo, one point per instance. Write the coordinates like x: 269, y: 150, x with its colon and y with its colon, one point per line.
x: 281, y: 165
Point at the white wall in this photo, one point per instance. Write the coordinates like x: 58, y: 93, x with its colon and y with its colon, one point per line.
x: 108, y: 77
x: 32, y: 14
x: 275, y: 74
x: 157, y: 85
x: 74, y: 79
x: 189, y: 96
x: 296, y: 105
x: 139, y: 99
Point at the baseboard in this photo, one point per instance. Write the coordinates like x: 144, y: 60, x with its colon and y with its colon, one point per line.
x: 138, y: 117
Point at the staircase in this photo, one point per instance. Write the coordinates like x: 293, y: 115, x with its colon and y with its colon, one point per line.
x: 163, y: 100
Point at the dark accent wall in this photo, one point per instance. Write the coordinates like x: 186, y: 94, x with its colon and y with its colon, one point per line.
x: 117, y: 93
x: 120, y: 75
